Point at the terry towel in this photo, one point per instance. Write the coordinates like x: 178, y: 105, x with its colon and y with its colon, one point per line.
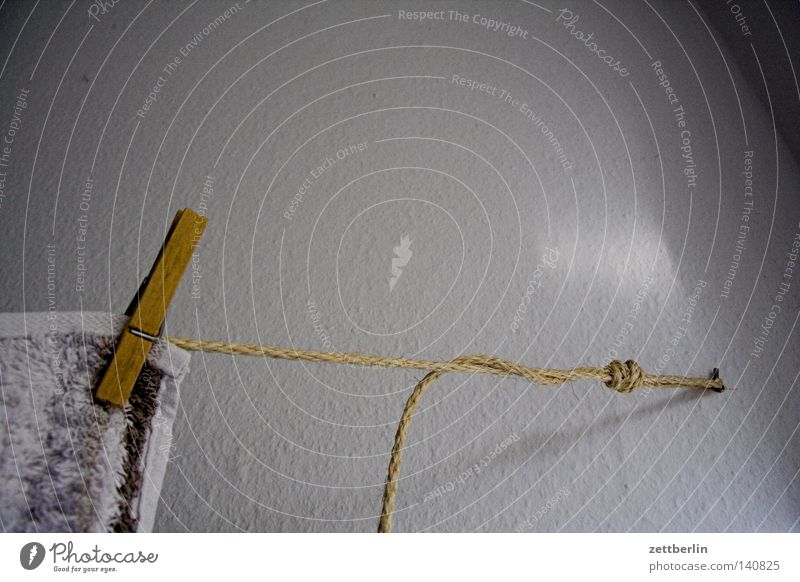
x: 67, y: 462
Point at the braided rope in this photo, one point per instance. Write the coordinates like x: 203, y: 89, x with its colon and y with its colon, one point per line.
x: 624, y: 377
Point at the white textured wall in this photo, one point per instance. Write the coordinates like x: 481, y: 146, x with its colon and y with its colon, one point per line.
x: 628, y: 256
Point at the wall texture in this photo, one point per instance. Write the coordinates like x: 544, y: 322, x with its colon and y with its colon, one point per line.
x: 559, y: 184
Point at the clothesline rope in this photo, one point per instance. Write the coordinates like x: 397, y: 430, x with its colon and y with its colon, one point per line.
x: 624, y: 377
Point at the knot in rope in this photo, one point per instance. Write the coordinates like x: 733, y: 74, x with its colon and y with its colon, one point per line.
x: 625, y: 376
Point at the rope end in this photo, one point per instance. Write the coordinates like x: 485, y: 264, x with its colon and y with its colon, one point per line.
x: 715, y: 376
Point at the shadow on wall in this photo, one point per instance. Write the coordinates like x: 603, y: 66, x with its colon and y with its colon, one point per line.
x: 737, y: 24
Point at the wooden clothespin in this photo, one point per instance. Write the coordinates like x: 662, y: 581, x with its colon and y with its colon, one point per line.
x: 149, y: 307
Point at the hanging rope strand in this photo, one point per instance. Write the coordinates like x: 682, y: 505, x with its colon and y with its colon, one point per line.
x: 623, y: 377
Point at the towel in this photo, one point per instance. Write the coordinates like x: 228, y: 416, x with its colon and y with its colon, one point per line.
x: 67, y: 462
